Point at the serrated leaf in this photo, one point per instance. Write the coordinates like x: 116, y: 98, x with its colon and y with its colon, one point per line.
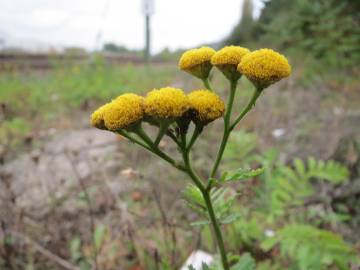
x: 200, y: 223
x: 194, y: 198
x: 230, y: 218
x: 242, y: 174
x: 299, y: 166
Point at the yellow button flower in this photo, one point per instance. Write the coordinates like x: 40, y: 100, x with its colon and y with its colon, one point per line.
x: 197, y: 61
x: 166, y: 103
x: 207, y: 106
x: 229, y: 55
x: 227, y: 59
x: 264, y: 67
x: 97, y: 117
x: 124, y: 111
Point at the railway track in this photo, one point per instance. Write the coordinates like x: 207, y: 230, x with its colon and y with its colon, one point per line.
x: 44, y: 61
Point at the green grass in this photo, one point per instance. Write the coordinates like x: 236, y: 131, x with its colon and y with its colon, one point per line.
x: 42, y: 97
x: 72, y: 86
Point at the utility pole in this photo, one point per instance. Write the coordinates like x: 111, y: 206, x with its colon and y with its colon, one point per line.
x: 148, y: 11
x: 147, y: 38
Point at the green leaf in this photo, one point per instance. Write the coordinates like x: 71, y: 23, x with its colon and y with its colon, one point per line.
x: 310, y: 247
x: 242, y: 174
x: 200, y: 223
x: 99, y: 236
x: 230, y: 218
x: 299, y: 166
x: 75, y: 246
x: 194, y: 199
x: 269, y: 243
x: 191, y: 267
x: 246, y: 262
x: 331, y: 171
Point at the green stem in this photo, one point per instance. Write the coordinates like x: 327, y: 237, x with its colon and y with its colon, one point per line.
x: 173, y: 137
x: 154, y: 149
x: 189, y: 170
x: 251, y: 103
x: 162, y: 130
x: 217, y: 230
x: 226, y: 133
x: 206, y: 195
x: 207, y: 84
x: 134, y: 140
x: 197, y: 131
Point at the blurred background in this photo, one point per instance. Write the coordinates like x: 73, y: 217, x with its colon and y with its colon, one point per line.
x: 73, y: 197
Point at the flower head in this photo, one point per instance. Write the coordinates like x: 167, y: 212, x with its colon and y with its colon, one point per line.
x: 97, y: 117
x: 227, y: 59
x: 197, y: 61
x: 124, y: 111
x: 166, y: 103
x: 207, y: 106
x: 264, y: 67
x: 229, y: 55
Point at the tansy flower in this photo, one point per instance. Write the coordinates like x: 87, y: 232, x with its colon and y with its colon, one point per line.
x: 166, y: 103
x: 97, y: 117
x: 264, y: 67
x: 227, y: 59
x: 206, y: 105
x: 124, y: 111
x: 197, y: 61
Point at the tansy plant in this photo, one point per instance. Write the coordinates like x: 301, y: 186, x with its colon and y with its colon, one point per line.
x: 173, y: 111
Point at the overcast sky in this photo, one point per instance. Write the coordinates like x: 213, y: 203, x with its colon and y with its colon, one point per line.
x: 175, y: 24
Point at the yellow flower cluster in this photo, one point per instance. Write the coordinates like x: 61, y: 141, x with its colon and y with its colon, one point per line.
x: 264, y: 67
x: 166, y: 102
x: 197, y: 61
x: 229, y: 55
x: 159, y: 104
x: 207, y: 105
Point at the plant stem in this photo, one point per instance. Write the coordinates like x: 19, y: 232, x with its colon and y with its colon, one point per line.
x: 134, y: 140
x: 197, y: 131
x: 154, y: 149
x: 162, y: 130
x: 189, y: 170
x: 206, y: 195
x: 251, y: 103
x: 226, y: 133
x: 207, y: 84
x: 217, y: 230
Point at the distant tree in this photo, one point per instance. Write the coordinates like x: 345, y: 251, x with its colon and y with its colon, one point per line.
x: 326, y: 29
x: 112, y: 47
x: 243, y: 31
